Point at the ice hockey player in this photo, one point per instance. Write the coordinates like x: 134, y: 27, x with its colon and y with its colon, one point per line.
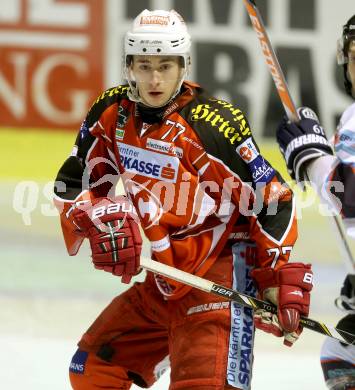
x: 308, y: 155
x: 208, y: 203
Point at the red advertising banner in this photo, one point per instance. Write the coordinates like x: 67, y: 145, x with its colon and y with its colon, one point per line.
x: 51, y: 61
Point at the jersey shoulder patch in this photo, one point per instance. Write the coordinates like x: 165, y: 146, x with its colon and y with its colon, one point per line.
x: 225, y: 134
x: 220, y: 117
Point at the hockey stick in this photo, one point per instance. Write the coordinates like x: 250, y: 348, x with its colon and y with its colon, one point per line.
x: 242, y: 299
x: 288, y: 104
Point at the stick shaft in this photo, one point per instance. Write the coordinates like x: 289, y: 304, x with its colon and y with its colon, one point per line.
x: 242, y: 299
x: 272, y: 61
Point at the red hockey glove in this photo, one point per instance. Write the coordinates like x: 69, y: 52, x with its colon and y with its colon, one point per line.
x: 289, y: 288
x: 114, y: 235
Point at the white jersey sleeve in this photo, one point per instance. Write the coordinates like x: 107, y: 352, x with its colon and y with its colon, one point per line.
x: 344, y: 142
x: 333, y: 177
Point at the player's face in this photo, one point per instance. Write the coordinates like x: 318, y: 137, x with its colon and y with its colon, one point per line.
x: 157, y: 78
x: 351, y: 65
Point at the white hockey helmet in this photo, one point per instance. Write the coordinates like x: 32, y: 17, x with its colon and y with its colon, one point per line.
x: 157, y: 33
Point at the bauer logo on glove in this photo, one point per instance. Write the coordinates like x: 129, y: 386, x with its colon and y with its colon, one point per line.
x: 113, y: 233
x: 107, y: 209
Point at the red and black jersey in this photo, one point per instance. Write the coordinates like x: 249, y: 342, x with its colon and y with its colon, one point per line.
x: 195, y: 176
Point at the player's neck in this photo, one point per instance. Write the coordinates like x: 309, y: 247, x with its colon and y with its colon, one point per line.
x: 151, y: 114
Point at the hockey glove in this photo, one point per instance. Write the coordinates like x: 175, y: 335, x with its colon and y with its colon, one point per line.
x: 114, y: 235
x: 302, y: 142
x: 346, y: 301
x: 288, y: 287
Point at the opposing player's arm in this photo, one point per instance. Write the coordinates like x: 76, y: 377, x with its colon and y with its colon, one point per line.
x: 302, y: 142
x: 340, y: 182
x: 309, y: 156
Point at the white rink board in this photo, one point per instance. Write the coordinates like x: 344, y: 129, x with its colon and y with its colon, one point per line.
x: 39, y: 331
x: 42, y: 364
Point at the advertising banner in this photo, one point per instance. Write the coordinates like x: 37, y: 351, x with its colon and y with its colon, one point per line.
x: 51, y: 61
x: 56, y: 56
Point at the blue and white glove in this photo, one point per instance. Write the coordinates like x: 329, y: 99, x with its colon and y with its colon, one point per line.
x: 302, y: 142
x: 346, y: 301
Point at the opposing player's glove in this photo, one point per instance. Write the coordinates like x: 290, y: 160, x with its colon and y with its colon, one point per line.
x: 288, y: 287
x: 302, y: 142
x: 114, y: 235
x: 346, y: 301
